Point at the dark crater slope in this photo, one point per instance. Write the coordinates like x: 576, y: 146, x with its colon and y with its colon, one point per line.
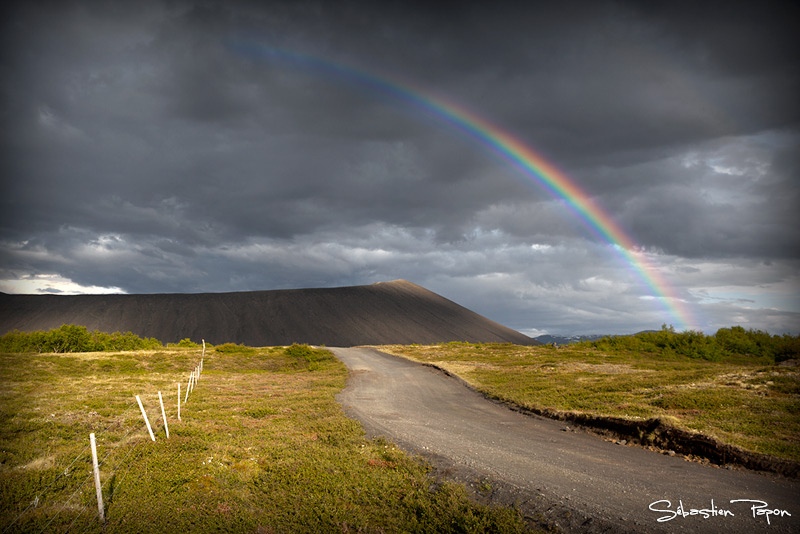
x: 384, y: 313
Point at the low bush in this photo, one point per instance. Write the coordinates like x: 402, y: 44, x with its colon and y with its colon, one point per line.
x: 300, y: 351
x: 309, y: 357
x: 727, y: 342
x: 74, y: 338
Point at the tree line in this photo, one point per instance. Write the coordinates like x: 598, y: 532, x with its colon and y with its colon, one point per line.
x: 734, y: 341
x: 74, y: 338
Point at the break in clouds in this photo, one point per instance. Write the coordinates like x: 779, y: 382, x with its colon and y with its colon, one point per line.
x: 153, y: 148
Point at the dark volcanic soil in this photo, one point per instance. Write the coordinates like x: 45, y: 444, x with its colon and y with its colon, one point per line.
x: 385, y: 313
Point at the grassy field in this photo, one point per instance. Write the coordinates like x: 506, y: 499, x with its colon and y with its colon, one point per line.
x: 744, y: 401
x: 262, y: 447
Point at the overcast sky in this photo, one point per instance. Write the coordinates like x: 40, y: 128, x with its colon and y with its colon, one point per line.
x: 152, y: 147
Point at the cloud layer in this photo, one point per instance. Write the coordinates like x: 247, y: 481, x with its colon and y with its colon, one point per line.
x: 157, y: 148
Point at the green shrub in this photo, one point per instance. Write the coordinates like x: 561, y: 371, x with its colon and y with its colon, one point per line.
x: 307, y: 353
x: 787, y: 347
x: 735, y: 341
x: 73, y: 338
x: 123, y: 341
x: 298, y: 351
x: 69, y: 338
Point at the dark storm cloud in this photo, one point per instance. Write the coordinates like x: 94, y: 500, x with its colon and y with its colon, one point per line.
x: 159, y: 148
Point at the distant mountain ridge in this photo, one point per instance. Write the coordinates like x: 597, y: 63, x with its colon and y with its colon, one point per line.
x: 396, y: 312
x: 547, y: 339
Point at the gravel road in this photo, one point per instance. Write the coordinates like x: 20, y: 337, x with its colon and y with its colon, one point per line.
x: 568, y: 479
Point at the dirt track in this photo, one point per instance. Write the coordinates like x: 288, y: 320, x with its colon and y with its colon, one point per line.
x: 568, y: 479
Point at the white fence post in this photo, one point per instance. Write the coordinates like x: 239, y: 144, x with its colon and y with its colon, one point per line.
x: 146, y: 421
x: 163, y: 415
x: 97, y: 485
x: 188, y: 384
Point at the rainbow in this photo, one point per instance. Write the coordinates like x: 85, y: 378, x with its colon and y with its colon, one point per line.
x: 533, y: 166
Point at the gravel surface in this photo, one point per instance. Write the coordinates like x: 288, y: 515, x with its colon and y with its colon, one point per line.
x: 556, y: 475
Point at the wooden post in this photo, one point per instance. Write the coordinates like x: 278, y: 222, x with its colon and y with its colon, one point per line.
x: 179, y: 401
x: 97, y: 485
x: 146, y: 421
x: 163, y: 415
